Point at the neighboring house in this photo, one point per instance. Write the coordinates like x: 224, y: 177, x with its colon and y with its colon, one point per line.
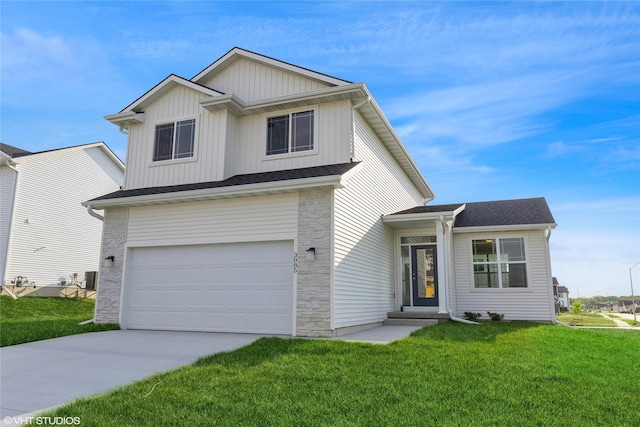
x: 45, y: 233
x: 263, y: 197
x: 561, y: 294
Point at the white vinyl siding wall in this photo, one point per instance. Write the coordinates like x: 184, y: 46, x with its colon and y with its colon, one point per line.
x: 208, y: 162
x: 251, y: 81
x: 331, y: 142
x: 249, y: 219
x: 7, y: 186
x: 532, y: 303
x: 52, y: 233
x: 364, y: 277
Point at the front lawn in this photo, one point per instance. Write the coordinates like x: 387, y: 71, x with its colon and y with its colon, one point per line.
x: 514, y: 373
x: 32, y: 319
x: 585, y: 319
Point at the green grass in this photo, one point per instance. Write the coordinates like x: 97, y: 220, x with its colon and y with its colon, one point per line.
x: 513, y: 373
x: 585, y: 319
x: 32, y: 319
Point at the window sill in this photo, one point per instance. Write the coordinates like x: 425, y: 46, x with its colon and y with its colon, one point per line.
x: 290, y: 155
x: 173, y: 161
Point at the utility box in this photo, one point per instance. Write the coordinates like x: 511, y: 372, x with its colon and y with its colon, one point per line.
x: 91, y: 280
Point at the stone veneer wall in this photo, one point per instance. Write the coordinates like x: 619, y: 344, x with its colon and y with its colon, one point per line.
x: 114, y: 235
x: 315, y: 217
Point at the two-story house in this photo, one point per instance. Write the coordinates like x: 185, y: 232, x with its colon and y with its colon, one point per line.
x: 264, y: 197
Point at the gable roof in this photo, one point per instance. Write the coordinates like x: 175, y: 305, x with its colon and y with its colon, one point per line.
x: 237, y: 53
x: 249, y: 184
x: 534, y: 211
x: 99, y: 144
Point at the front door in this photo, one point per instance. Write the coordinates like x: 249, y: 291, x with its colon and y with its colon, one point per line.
x: 424, y: 275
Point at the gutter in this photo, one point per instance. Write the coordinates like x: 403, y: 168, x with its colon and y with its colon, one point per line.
x: 353, y: 125
x: 93, y: 213
x: 6, y: 252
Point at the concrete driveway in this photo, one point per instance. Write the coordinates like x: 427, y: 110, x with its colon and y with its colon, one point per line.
x: 42, y: 374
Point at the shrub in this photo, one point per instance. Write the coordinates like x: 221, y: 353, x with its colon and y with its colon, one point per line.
x: 495, y: 316
x: 472, y: 316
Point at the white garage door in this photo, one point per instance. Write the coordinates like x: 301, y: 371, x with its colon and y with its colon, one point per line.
x: 243, y: 287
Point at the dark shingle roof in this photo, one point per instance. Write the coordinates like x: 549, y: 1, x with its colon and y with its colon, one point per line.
x: 253, y: 178
x: 505, y: 212
x: 13, y: 151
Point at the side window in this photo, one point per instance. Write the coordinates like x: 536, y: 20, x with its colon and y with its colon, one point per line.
x: 499, y: 263
x: 174, y: 140
x: 290, y: 133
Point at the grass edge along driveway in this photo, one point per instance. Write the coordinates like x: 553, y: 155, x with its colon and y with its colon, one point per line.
x: 513, y: 373
x: 30, y: 319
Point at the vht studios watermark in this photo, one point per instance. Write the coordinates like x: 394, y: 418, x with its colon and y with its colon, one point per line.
x: 41, y: 421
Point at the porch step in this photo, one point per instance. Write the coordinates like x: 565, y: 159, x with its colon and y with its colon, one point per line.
x: 439, y: 317
x: 410, y: 322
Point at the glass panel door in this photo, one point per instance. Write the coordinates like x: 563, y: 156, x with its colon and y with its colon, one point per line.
x: 424, y: 278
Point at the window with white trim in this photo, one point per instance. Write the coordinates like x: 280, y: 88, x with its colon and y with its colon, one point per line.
x: 174, y: 140
x: 499, y: 263
x: 290, y: 133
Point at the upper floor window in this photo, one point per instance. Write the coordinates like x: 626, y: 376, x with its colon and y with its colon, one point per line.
x: 290, y: 133
x: 499, y: 263
x: 174, y: 140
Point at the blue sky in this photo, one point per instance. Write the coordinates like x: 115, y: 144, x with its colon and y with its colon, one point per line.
x: 495, y: 100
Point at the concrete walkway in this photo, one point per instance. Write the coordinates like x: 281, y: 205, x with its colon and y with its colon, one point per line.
x: 43, y: 374
x: 619, y: 323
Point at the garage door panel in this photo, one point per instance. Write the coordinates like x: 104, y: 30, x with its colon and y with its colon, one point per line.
x: 233, y: 288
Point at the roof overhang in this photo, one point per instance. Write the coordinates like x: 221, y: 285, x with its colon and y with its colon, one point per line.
x: 247, y: 190
x: 236, y: 106
x: 419, y: 220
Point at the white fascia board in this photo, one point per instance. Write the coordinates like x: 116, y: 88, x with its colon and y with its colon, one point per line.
x: 236, y: 53
x: 426, y: 216
x: 414, y: 170
x: 166, y: 85
x: 497, y: 228
x: 125, y: 119
x: 262, y: 188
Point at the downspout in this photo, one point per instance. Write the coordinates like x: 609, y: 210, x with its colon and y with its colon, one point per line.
x: 552, y: 302
x: 6, y: 252
x: 101, y: 218
x: 353, y: 125
x: 446, y: 276
x: 123, y: 131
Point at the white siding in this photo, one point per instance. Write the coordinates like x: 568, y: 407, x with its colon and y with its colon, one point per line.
x: 52, y: 233
x: 251, y: 81
x: 210, y: 143
x: 522, y: 304
x: 364, y: 278
x: 7, y: 186
x: 247, y: 219
x: 331, y: 141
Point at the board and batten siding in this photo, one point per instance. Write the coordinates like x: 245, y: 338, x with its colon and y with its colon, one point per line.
x: 533, y: 303
x: 7, y: 187
x: 247, y: 219
x: 364, y: 276
x: 252, y: 81
x: 52, y: 233
x: 332, y: 140
x: 208, y: 162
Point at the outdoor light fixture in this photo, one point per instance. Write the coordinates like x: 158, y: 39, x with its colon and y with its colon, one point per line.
x: 108, y: 261
x: 311, y: 254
